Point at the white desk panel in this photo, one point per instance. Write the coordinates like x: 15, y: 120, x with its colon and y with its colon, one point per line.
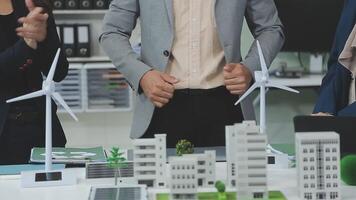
x: 304, y: 81
x: 278, y: 179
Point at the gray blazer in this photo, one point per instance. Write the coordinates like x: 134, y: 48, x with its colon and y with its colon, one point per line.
x: 157, y: 34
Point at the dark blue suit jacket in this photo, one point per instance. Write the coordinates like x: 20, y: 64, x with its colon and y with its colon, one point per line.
x: 12, y: 58
x: 334, y: 93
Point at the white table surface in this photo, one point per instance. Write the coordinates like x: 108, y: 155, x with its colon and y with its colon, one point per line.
x: 278, y: 179
x: 304, y: 81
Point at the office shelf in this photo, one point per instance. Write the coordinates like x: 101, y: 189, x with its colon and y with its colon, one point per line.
x: 71, y: 88
x: 95, y: 87
x: 89, y: 59
x: 79, y: 12
x: 107, y: 89
x: 93, y: 84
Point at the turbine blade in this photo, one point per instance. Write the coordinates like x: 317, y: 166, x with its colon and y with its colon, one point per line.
x: 27, y: 96
x: 61, y: 101
x: 282, y: 87
x: 262, y: 58
x: 248, y: 92
x: 53, y: 66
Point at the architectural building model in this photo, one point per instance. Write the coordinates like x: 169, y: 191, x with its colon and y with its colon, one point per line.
x: 183, y: 177
x: 246, y: 160
x: 120, y: 192
x: 95, y: 170
x: 205, y: 168
x: 150, y: 161
x: 318, y: 158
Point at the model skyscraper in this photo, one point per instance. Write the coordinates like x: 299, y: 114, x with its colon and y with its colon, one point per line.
x: 246, y: 160
x: 150, y: 161
x: 318, y: 159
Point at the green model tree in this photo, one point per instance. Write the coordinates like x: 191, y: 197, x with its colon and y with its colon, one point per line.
x: 220, y: 186
x: 184, y: 147
x: 116, y: 161
x: 348, y: 169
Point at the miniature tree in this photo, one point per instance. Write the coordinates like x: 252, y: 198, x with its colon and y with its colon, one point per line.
x: 220, y: 187
x: 184, y: 147
x: 348, y: 172
x: 116, y: 161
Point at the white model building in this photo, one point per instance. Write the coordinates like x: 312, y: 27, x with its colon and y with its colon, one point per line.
x: 206, y: 168
x: 150, y: 161
x: 318, y: 160
x: 246, y: 159
x: 183, y: 177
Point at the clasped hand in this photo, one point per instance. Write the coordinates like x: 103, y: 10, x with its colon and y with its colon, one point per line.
x: 158, y: 87
x: 237, y: 78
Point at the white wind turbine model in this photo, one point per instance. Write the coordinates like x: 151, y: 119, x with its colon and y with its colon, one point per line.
x: 262, y: 81
x: 48, y: 177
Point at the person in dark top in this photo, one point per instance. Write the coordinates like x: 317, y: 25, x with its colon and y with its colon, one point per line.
x: 334, y: 98
x: 28, y: 43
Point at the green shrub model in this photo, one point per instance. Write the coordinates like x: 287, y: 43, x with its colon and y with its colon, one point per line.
x: 116, y: 161
x: 220, y: 186
x: 184, y: 147
x: 348, y: 169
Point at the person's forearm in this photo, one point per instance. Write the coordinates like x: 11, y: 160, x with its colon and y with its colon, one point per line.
x: 126, y: 60
x: 31, y: 43
x: 263, y: 21
x: 118, y: 25
x: 271, y: 44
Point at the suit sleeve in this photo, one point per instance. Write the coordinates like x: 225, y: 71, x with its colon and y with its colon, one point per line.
x: 20, y: 55
x: 330, y: 91
x: 118, y: 25
x: 47, y: 50
x: 265, y: 26
x: 13, y: 59
x: 326, y: 102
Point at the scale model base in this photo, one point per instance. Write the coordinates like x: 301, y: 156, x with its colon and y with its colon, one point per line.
x: 41, y: 178
x: 273, y: 195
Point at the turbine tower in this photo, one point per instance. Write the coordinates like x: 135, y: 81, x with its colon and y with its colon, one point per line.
x: 48, y: 90
x: 262, y: 81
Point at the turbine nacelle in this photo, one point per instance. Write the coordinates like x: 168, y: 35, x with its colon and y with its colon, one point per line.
x: 261, y: 77
x: 48, y: 87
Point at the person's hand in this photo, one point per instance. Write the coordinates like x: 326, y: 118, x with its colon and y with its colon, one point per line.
x: 30, y: 42
x: 322, y: 114
x: 237, y: 78
x: 158, y: 87
x: 34, y: 27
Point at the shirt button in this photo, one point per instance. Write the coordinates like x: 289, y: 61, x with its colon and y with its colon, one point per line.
x: 166, y: 53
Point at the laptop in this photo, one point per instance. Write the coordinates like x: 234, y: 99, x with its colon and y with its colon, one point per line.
x: 344, y: 126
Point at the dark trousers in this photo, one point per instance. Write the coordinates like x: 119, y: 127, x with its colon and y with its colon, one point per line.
x: 199, y: 116
x: 17, y: 139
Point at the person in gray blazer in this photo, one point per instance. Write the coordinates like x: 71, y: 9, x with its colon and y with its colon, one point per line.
x: 190, y: 71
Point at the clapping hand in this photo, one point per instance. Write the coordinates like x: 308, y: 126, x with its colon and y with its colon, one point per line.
x: 34, y: 27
